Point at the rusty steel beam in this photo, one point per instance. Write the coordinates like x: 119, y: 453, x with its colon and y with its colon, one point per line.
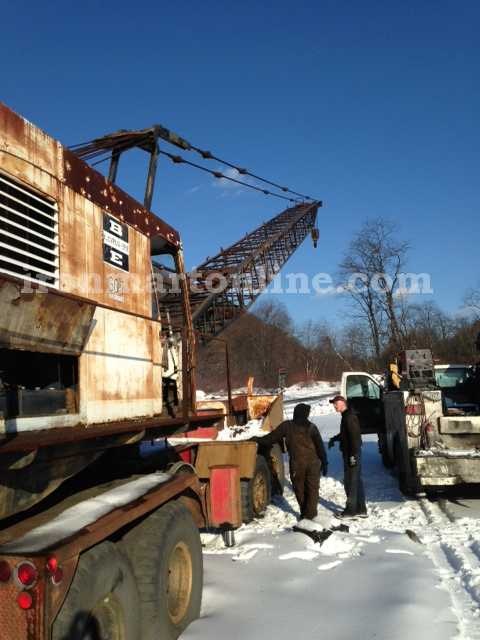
x: 121, y: 141
x: 244, y: 270
x: 28, y: 441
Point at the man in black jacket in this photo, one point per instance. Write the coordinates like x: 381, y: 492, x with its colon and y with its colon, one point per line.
x: 308, y: 458
x: 350, y: 438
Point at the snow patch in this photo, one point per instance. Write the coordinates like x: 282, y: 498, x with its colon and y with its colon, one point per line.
x: 242, y: 432
x: 246, y: 555
x: 299, y: 555
x: 329, y: 565
x: 81, y: 515
x: 341, y: 544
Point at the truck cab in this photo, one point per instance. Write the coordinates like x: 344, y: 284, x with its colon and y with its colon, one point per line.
x: 429, y: 432
x: 364, y: 394
x: 457, y: 383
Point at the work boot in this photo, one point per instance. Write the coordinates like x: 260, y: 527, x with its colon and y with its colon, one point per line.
x: 345, y: 515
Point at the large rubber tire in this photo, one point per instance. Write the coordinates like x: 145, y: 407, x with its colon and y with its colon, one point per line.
x: 406, y: 482
x: 388, y: 463
x: 102, y: 602
x: 166, y: 554
x: 277, y: 470
x: 256, y: 493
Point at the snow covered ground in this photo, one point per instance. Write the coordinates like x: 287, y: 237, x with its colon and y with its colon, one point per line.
x: 310, y: 390
x: 408, y: 571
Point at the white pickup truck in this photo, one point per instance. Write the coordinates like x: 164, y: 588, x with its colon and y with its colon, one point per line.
x: 431, y: 436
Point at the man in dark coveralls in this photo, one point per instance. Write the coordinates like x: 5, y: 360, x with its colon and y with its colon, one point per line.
x: 308, y: 458
x: 350, y: 438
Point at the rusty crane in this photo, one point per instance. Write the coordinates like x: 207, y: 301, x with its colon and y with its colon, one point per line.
x: 223, y: 287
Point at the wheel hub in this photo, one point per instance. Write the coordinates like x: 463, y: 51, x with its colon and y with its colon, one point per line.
x: 180, y: 578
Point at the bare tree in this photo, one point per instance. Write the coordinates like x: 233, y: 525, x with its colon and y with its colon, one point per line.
x: 271, y: 345
x: 471, y: 300
x: 321, y: 356
x: 310, y: 334
x: 370, y: 271
x: 425, y: 326
x: 354, y: 345
x: 273, y: 313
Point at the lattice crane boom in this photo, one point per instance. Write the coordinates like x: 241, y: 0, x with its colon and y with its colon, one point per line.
x: 225, y: 286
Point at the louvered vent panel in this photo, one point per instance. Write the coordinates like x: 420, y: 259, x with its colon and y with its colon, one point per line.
x: 28, y: 233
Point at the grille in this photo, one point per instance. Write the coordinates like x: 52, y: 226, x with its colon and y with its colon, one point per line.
x: 28, y: 233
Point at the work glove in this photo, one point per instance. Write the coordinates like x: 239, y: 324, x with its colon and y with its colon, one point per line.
x: 352, y: 461
x: 331, y: 443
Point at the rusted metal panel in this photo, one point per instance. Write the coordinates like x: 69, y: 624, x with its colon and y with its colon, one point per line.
x: 116, y: 370
x: 212, y: 405
x: 212, y: 454
x: 29, y: 154
x: 95, y: 187
x: 82, y: 195
x: 15, y: 623
x: 42, y: 321
x: 83, y: 270
x: 38, y: 159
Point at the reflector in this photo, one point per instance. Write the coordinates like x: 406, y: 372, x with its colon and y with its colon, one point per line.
x: 52, y: 564
x: 24, y: 600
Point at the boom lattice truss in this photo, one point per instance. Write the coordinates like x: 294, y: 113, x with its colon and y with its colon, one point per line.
x: 225, y: 286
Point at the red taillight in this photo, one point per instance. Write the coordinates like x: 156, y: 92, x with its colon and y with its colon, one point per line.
x: 5, y: 571
x: 52, y: 564
x: 27, y: 574
x: 24, y: 600
x: 413, y: 409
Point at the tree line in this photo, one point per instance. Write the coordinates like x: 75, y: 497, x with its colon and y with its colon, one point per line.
x: 384, y: 318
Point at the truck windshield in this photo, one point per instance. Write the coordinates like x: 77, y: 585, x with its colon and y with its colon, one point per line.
x: 452, y: 377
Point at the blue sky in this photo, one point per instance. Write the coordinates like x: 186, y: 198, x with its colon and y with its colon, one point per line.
x: 371, y: 106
